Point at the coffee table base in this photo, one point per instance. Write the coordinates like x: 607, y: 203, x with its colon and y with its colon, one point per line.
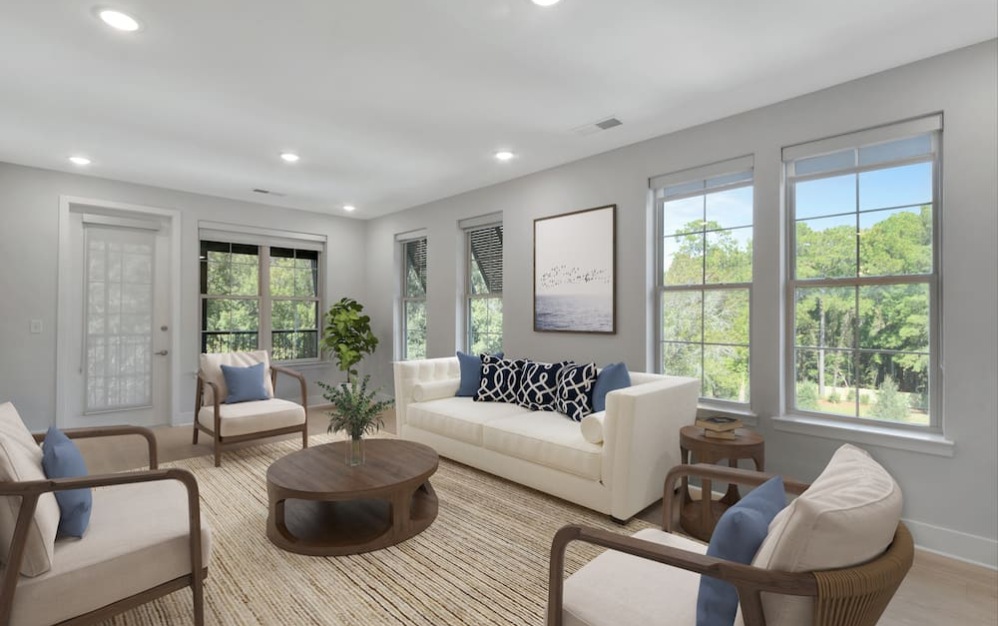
x: 337, y: 527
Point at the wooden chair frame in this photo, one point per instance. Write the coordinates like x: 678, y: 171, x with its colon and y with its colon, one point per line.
x: 221, y: 442
x: 852, y: 596
x: 31, y: 491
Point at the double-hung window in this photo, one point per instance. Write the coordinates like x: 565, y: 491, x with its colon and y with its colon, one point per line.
x: 256, y: 296
x: 413, y: 313
x: 863, y: 268
x: 483, y: 288
x: 704, y: 276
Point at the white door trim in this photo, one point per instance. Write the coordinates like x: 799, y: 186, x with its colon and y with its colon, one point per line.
x: 64, y: 366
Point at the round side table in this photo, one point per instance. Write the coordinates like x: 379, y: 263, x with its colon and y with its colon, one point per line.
x: 698, y: 517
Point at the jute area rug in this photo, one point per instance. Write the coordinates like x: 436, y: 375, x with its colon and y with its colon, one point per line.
x: 484, y: 560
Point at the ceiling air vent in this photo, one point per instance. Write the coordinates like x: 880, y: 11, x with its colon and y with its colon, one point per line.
x: 597, y: 126
x: 268, y: 192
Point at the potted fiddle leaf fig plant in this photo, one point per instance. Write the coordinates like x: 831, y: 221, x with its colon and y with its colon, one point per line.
x: 347, y: 335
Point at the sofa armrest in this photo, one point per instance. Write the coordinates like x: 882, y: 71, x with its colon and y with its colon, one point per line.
x: 410, y: 373
x: 435, y: 389
x: 641, y: 439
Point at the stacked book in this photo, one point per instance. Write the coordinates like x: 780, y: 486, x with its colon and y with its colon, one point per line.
x: 718, y: 427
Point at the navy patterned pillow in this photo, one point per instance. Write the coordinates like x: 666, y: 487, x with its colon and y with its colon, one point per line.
x: 538, y: 385
x: 499, y: 378
x: 574, y: 397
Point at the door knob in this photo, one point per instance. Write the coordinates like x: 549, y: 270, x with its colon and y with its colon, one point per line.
x: 163, y: 353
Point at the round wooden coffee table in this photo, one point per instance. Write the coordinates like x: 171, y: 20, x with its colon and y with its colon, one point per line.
x: 321, y: 506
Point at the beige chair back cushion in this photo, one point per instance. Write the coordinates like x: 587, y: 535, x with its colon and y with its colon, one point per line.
x: 211, y: 370
x: 846, y: 517
x: 21, y: 460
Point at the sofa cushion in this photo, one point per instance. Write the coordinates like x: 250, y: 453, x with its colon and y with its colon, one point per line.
x: 62, y: 459
x: 592, y: 427
x: 458, y: 418
x: 612, y: 377
x: 21, y: 460
x: 471, y: 373
x: 846, y: 517
x: 575, y: 390
x: 547, y: 439
x: 737, y: 537
x: 253, y: 417
x: 617, y: 588
x: 499, y: 380
x: 138, y: 539
x: 538, y: 384
x: 210, y: 366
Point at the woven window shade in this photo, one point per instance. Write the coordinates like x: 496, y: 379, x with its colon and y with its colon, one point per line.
x: 415, y: 254
x: 486, y: 253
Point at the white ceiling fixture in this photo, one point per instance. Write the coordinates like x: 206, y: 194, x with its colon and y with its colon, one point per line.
x: 290, y: 157
x: 349, y: 208
x: 118, y: 20
x: 79, y: 160
x: 397, y: 113
x: 545, y: 3
x: 504, y: 155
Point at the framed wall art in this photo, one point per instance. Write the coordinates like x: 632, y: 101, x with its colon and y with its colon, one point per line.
x: 575, y: 272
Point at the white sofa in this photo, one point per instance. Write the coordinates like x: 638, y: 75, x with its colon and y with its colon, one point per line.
x: 546, y: 451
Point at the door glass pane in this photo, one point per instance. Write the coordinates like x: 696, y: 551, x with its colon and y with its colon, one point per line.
x: 118, y: 308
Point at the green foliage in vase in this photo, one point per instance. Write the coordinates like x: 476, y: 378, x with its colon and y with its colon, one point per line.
x: 355, y: 409
x: 347, y: 334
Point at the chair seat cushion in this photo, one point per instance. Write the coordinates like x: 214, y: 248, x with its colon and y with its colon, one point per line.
x: 546, y: 438
x: 138, y: 539
x: 253, y: 417
x: 616, y: 588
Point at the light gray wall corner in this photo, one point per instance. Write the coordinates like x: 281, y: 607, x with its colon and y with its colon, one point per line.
x: 955, y: 494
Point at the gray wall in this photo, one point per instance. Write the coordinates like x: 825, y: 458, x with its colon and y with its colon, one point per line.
x: 29, y: 240
x: 951, y: 502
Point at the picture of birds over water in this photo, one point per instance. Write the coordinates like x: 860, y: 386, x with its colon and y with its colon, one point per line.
x: 574, y: 272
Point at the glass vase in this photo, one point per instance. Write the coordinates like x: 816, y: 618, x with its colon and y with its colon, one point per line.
x: 355, y: 451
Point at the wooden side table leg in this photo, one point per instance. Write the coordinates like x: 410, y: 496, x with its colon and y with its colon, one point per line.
x: 732, y: 496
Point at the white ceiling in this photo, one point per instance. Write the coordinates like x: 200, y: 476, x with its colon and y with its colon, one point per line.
x: 393, y: 103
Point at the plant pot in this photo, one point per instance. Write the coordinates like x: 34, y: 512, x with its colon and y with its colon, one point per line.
x: 355, y: 451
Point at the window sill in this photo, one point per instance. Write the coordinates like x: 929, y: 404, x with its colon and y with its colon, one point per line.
x: 747, y: 416
x: 926, y: 443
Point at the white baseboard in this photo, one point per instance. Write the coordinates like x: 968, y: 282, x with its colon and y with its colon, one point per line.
x: 955, y: 544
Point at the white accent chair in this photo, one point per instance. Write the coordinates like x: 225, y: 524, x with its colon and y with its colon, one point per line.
x: 145, y: 538
x: 833, y: 557
x: 229, y: 424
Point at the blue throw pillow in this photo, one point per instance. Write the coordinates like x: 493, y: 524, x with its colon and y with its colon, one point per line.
x: 471, y: 373
x: 611, y: 378
x: 245, y: 384
x: 737, y: 537
x: 62, y: 459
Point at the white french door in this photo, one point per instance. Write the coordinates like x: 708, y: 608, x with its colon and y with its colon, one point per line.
x: 118, y: 330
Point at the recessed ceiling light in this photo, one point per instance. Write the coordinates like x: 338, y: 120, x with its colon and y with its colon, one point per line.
x: 504, y: 155
x: 290, y: 157
x: 349, y: 207
x: 79, y: 160
x: 545, y: 3
x: 118, y: 20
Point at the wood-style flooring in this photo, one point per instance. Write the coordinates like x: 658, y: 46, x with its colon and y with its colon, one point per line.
x: 937, y: 591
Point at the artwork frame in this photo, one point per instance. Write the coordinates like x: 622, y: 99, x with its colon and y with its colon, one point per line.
x: 575, y: 272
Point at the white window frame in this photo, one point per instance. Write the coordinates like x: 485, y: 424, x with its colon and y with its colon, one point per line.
x: 230, y: 234
x: 467, y: 228
x: 405, y: 298
x: 730, y: 167
x: 929, y: 125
